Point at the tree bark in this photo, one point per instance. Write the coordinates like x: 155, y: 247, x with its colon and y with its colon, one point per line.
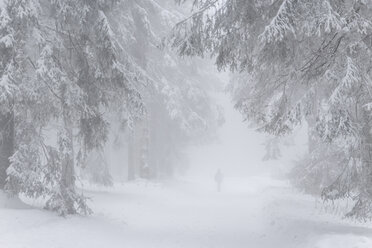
x: 67, y: 183
x: 6, y: 144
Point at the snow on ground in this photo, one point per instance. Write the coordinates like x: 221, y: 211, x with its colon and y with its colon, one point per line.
x: 263, y: 213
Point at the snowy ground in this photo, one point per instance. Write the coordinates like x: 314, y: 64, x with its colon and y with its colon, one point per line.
x: 255, y: 212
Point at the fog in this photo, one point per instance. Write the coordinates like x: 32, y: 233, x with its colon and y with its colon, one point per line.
x: 185, y: 124
x: 238, y: 150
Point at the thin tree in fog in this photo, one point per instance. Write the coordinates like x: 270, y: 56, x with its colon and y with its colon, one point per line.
x: 179, y: 110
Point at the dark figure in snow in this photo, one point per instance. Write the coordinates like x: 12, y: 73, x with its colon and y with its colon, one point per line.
x: 218, y: 178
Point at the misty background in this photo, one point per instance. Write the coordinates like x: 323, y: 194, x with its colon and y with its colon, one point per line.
x: 172, y: 123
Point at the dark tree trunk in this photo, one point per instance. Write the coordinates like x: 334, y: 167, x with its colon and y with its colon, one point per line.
x: 6, y: 144
x: 68, y: 168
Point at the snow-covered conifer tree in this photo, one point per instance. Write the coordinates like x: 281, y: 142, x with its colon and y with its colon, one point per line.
x: 72, y: 70
x: 303, y: 61
x: 16, y: 21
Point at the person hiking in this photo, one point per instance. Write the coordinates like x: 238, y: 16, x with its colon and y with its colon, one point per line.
x: 218, y: 178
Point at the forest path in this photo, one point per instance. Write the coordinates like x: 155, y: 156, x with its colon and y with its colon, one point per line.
x: 254, y: 212
x: 251, y: 212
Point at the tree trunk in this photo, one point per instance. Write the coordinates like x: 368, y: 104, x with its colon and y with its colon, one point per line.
x: 6, y: 144
x: 68, y: 170
x: 138, y: 151
x: 131, y: 156
x: 67, y: 183
x: 313, y: 140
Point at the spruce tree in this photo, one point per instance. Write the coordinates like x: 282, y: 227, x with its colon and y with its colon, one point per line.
x: 299, y: 61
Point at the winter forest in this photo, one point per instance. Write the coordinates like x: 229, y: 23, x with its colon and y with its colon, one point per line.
x: 185, y: 123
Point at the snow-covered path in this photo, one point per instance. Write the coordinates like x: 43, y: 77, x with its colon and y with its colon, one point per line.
x: 261, y: 214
